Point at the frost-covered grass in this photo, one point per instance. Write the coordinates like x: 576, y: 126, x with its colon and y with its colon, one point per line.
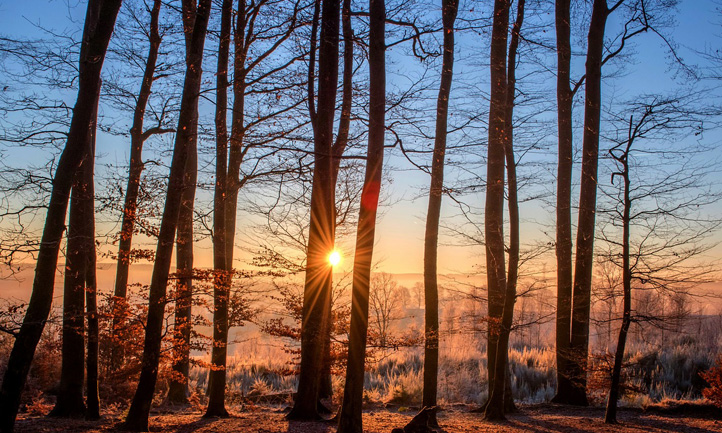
x: 653, y: 374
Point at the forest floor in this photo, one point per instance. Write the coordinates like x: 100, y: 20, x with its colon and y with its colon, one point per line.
x: 545, y: 418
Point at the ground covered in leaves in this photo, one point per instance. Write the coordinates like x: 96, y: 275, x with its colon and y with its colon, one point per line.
x: 530, y: 419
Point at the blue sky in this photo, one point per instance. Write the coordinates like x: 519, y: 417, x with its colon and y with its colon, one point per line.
x: 400, y: 232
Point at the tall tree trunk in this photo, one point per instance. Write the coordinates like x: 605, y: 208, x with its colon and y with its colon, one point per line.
x: 70, y: 401
x: 339, y: 146
x: 610, y: 417
x: 350, y: 416
x: 317, y: 290
x: 494, y: 215
x: 137, y: 137
x: 182, y: 324
x: 564, y: 203
x: 221, y: 268
x: 579, y: 347
x: 137, y: 418
x: 513, y: 193
x: 178, y: 389
x: 449, y: 9
x: 99, y: 24
x: 92, y: 411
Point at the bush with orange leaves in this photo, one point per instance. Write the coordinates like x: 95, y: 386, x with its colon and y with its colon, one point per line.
x: 713, y: 376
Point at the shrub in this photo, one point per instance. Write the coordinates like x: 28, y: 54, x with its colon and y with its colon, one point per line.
x: 713, y: 376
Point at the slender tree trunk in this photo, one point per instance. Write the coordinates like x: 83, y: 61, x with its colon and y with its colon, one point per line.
x: 317, y: 290
x: 513, y: 193
x: 431, y: 237
x: 178, y: 389
x: 494, y: 214
x: 579, y: 347
x: 182, y: 324
x: 221, y: 274
x: 92, y: 411
x: 99, y: 24
x: 610, y: 417
x: 131, y: 192
x: 339, y: 146
x: 137, y: 418
x: 350, y: 416
x: 564, y: 200
x: 70, y: 402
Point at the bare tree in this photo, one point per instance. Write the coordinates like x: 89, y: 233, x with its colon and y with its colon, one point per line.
x: 137, y: 418
x: 138, y: 135
x: 317, y: 289
x: 449, y: 10
x: 350, y: 416
x: 99, y: 24
x: 663, y: 227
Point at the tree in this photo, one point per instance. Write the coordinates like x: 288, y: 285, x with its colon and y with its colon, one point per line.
x: 178, y: 390
x: 80, y: 246
x: 385, y: 300
x: 351, y: 408
x: 317, y: 289
x: 565, y: 99
x: 574, y: 298
x: 661, y: 212
x: 221, y: 267
x: 137, y: 418
x: 138, y: 136
x: 449, y: 10
x: 99, y: 24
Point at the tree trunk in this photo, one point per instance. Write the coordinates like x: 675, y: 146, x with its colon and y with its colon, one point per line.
x: 317, y: 290
x: 221, y: 274
x: 610, y: 417
x: 350, y: 416
x: 70, y: 402
x: 182, y: 325
x: 339, y: 146
x: 131, y: 191
x: 579, y: 347
x: 513, y: 193
x: 564, y: 199
x: 494, y: 215
x: 92, y: 411
x: 99, y: 24
x: 137, y: 418
x: 178, y: 389
x: 431, y: 237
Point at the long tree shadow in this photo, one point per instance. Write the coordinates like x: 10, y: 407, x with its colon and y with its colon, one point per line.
x: 196, y: 425
x: 321, y: 426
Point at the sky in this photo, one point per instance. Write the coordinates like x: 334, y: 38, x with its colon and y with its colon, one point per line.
x: 401, y: 228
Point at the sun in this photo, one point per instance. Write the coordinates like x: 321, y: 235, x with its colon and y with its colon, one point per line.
x: 334, y: 258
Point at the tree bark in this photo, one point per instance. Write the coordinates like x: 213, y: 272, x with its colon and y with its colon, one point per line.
x: 513, y: 194
x: 221, y: 268
x: 137, y: 418
x: 131, y: 191
x: 431, y: 237
x: 564, y: 199
x: 579, y: 347
x: 182, y: 325
x: 494, y: 214
x: 99, y: 24
x: 81, y: 241
x: 350, y: 417
x: 317, y: 290
x: 92, y: 411
x: 339, y: 146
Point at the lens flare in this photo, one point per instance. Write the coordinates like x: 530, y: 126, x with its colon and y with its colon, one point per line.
x: 334, y: 258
